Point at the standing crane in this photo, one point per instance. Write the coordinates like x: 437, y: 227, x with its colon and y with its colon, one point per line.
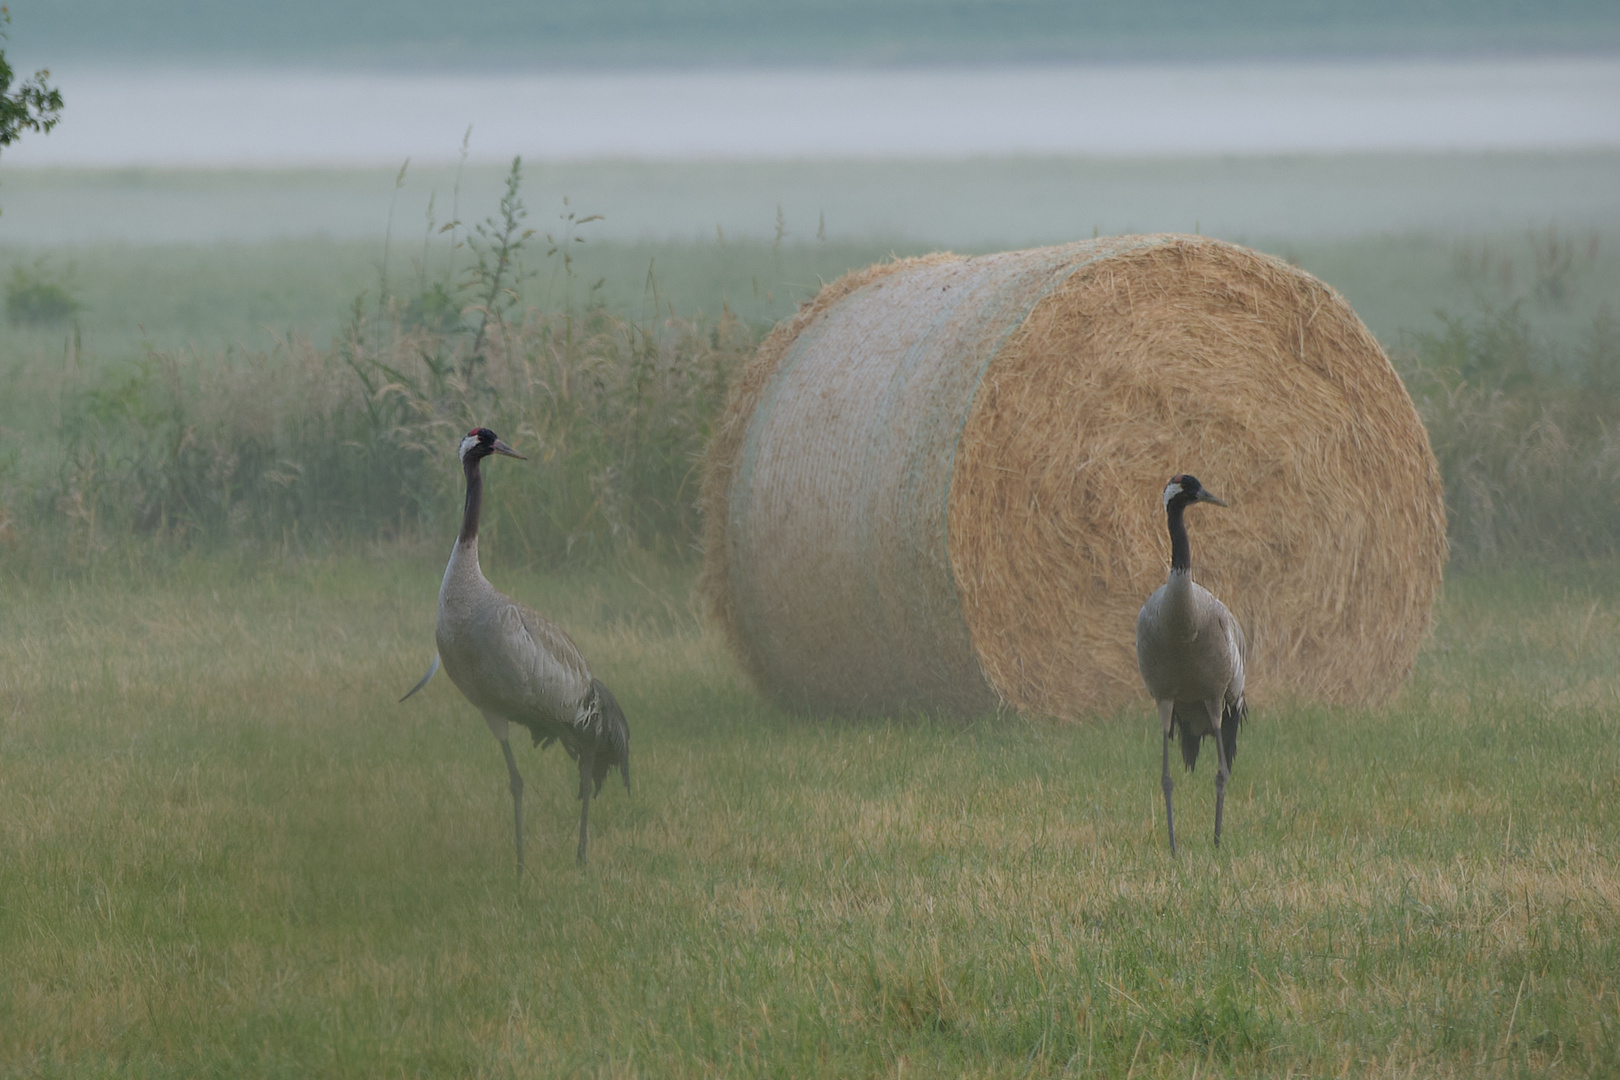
x: 1190, y: 651
x: 518, y: 667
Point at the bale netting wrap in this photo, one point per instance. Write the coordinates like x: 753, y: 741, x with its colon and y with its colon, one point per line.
x: 938, y: 486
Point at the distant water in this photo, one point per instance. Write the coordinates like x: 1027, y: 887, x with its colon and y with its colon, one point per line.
x: 274, y: 118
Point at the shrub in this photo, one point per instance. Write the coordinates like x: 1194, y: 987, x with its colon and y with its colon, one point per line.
x: 359, y: 440
x: 1528, y: 441
x: 32, y: 300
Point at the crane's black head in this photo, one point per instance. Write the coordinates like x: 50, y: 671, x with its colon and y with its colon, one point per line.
x: 1184, y: 490
x: 481, y: 442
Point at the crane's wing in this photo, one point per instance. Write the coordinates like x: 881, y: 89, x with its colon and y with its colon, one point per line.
x: 550, y: 673
x: 432, y: 669
x: 1235, y: 708
x: 1237, y: 649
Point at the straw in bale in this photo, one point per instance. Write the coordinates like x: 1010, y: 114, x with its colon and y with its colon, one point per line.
x: 938, y: 485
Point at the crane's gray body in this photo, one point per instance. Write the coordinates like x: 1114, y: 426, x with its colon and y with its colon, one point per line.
x: 1190, y: 650
x: 517, y: 667
x: 513, y: 664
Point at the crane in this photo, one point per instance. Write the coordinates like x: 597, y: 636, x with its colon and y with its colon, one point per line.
x: 517, y: 667
x: 1190, y: 651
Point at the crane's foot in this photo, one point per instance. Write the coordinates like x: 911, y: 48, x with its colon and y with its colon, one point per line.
x: 1220, y: 803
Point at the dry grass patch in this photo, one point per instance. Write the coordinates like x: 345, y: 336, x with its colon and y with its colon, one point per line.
x: 224, y: 848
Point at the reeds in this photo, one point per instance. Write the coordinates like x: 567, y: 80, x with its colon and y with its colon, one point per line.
x: 304, y: 445
x: 1527, y: 437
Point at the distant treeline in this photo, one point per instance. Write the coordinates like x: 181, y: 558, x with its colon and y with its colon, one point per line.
x: 679, y: 32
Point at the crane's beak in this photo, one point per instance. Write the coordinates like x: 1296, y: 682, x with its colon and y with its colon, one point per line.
x: 501, y: 448
x: 1203, y: 494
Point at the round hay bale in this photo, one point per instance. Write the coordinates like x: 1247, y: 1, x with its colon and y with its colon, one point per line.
x: 938, y: 485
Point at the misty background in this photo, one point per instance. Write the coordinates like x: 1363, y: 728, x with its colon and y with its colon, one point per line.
x: 481, y: 35
x: 262, y: 279
x: 925, y: 123
x: 231, y: 181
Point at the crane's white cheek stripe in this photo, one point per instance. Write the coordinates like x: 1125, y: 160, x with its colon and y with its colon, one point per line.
x: 1171, y: 490
x: 471, y: 441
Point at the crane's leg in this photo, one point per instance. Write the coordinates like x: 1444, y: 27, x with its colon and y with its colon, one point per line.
x: 517, y: 800
x: 1223, y: 771
x: 499, y: 728
x: 1166, y: 712
x: 587, y: 759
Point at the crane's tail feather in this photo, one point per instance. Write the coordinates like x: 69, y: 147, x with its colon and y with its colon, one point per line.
x: 432, y: 669
x: 1190, y: 742
x: 1232, y: 718
x: 1192, y: 736
x: 613, y: 744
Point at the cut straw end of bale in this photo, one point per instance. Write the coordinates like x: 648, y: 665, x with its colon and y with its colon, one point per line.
x: 937, y: 486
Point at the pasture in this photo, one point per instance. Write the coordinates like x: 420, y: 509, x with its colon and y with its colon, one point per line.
x: 228, y: 850
x: 225, y: 848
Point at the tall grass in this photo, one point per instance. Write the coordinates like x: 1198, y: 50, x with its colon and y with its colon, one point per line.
x: 1527, y: 435
x: 305, y: 444
x: 301, y: 445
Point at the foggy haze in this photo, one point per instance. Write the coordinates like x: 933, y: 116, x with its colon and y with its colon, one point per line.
x: 275, y: 118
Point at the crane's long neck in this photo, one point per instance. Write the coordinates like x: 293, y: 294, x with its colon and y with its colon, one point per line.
x: 1180, y: 607
x: 475, y: 501
x: 463, y: 577
x: 1180, y: 550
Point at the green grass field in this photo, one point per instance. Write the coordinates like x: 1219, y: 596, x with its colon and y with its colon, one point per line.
x: 226, y: 850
